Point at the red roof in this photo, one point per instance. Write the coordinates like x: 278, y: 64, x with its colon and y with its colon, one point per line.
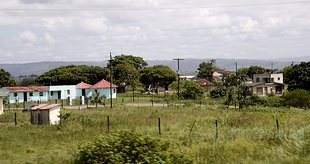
x: 83, y: 85
x: 45, y: 106
x: 103, y: 84
x: 33, y: 88
x: 204, y: 82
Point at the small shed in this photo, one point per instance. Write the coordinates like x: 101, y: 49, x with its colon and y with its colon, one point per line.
x: 45, y: 114
x: 2, y: 95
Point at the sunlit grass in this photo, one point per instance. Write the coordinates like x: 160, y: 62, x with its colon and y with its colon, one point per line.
x: 246, y: 136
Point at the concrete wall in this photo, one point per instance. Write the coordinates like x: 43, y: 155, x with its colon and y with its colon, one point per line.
x: 65, y: 92
x: 106, y: 92
x: 35, y: 97
x: 1, y: 105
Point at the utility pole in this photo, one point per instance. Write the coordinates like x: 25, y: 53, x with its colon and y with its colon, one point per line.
x: 178, y: 60
x: 111, y: 72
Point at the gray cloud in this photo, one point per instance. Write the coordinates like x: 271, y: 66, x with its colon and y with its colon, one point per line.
x: 234, y: 32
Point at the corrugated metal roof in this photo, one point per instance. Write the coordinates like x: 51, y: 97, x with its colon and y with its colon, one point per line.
x: 31, y: 88
x: 83, y: 85
x: 45, y: 106
x: 103, y: 84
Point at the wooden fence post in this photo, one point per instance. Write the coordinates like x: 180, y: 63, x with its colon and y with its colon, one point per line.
x: 15, y: 118
x: 216, y: 130
x: 159, y: 132
x: 277, y: 123
x: 108, y: 123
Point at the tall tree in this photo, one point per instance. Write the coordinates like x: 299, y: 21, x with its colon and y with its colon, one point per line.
x: 72, y: 74
x: 126, y: 74
x: 250, y: 71
x: 189, y: 89
x: 206, y: 70
x: 6, y: 79
x: 298, y: 76
x: 158, y: 75
x: 136, y: 61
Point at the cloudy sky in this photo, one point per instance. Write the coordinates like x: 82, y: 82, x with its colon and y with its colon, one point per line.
x: 87, y: 30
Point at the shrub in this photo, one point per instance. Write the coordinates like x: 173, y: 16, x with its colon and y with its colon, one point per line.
x: 128, y: 147
x: 298, y: 98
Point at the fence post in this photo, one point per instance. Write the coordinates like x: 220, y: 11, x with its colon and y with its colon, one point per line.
x: 216, y: 130
x: 108, y: 123
x: 159, y: 132
x: 15, y: 118
x: 62, y: 103
x: 152, y: 103
x: 277, y: 123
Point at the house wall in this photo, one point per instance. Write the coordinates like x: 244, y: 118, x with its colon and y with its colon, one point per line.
x: 266, y: 90
x: 277, y: 78
x: 65, y: 92
x: 54, y: 116
x: 20, y: 96
x: 1, y: 105
x: 106, y: 92
x: 79, y: 93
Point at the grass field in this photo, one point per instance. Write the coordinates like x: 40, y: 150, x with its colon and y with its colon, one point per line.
x: 247, y: 136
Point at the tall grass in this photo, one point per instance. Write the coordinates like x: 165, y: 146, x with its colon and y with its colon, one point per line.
x: 248, y: 136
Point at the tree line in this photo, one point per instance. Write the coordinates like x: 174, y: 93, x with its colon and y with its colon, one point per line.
x: 134, y: 72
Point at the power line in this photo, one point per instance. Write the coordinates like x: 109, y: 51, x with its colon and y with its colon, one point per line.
x: 158, y: 8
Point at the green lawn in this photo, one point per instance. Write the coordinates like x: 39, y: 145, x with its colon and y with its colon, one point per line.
x: 248, y: 136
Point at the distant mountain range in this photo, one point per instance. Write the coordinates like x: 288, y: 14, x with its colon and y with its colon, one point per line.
x: 187, y: 66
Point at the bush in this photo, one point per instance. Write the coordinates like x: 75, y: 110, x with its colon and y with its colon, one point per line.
x: 298, y: 98
x: 217, y: 92
x: 270, y: 101
x: 128, y: 147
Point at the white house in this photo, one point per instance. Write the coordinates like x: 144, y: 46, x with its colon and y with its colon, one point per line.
x: 2, y: 95
x: 266, y: 84
x: 45, y: 114
x: 31, y: 93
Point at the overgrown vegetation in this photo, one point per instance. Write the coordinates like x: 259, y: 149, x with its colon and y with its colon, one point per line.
x: 247, y: 136
x: 128, y: 147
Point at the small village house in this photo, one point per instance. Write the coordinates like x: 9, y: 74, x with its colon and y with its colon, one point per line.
x: 205, y: 84
x: 266, y: 84
x: 45, y: 114
x: 102, y: 88
x: 2, y: 95
x: 62, y: 92
x: 26, y: 94
x: 83, y: 89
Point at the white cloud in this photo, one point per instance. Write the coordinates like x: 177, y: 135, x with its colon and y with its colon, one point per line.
x: 28, y: 37
x: 49, y: 39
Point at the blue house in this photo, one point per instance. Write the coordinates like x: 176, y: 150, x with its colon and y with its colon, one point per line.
x: 103, y: 89
x: 26, y: 94
x: 63, y: 92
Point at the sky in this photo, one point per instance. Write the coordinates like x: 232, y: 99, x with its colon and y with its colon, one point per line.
x: 88, y: 30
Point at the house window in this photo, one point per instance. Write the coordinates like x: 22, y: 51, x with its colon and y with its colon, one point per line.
x: 259, y: 90
x: 30, y: 93
x: 114, y: 90
x: 257, y: 79
x: 41, y: 93
x: 279, y: 78
x: 68, y: 92
x: 52, y: 93
x: 15, y: 94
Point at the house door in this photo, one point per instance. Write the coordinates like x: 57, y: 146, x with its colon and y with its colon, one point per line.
x: 25, y: 97
x: 59, y: 95
x: 83, y: 92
